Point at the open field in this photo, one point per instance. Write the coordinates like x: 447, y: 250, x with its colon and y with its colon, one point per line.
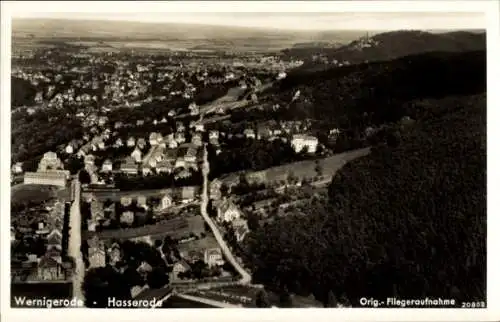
x: 200, y: 244
x: 177, y: 227
x: 196, y: 224
x: 33, y: 193
x: 302, y: 169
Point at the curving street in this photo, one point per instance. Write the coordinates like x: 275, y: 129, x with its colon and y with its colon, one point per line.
x: 246, y: 278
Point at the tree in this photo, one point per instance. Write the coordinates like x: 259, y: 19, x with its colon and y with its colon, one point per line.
x: 331, y: 300
x: 158, y: 243
x: 445, y: 216
x: 212, y: 212
x: 74, y: 164
x: 157, y: 278
x: 253, y: 221
x: 108, y: 202
x: 84, y: 177
x: 224, y: 189
x: 319, y: 169
x: 262, y: 299
x: 285, y: 299
x: 101, y: 284
x: 199, y: 269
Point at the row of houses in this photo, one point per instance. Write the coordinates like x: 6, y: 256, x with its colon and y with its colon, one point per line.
x: 50, y: 267
x: 100, y: 255
x: 162, y: 160
x: 101, y: 215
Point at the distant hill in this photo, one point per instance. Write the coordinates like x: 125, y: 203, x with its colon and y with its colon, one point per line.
x: 316, y: 44
x: 196, y: 34
x: 306, y: 49
x: 369, y: 93
x: 395, y: 44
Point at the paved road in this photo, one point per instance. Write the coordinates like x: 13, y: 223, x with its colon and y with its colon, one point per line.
x: 75, y: 241
x: 245, y: 276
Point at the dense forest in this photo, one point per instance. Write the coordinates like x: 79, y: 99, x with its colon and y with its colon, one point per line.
x: 33, y: 135
x: 395, y: 44
x: 406, y: 221
x: 361, y: 95
x: 22, y: 92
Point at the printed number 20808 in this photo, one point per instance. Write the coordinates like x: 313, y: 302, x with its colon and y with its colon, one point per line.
x: 473, y: 305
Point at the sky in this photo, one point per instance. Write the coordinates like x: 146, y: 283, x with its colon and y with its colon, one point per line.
x: 294, y: 20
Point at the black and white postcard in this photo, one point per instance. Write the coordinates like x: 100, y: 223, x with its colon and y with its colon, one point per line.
x: 328, y: 156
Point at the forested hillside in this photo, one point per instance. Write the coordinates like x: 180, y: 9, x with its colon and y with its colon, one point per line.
x: 371, y: 93
x: 406, y: 221
x: 396, y: 44
x: 22, y: 92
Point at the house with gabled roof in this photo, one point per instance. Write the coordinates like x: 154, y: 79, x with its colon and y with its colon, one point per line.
x: 107, y: 166
x: 191, y: 154
x: 166, y: 202
x: 180, y: 267
x: 50, y: 269
x: 129, y: 166
x: 97, y: 256
x: 131, y: 142
x: 172, y: 144
x: 249, y: 133
x: 153, y: 138
x: 119, y: 143
x: 144, y: 268
x: 114, y: 254
x: 164, y: 166
x: 228, y: 211
x: 54, y: 239
x: 213, y: 257
x: 137, y: 155
x: 240, y: 227
x: 146, y: 169
x: 180, y: 137
x: 197, y: 139
x: 17, y: 168
x: 127, y: 217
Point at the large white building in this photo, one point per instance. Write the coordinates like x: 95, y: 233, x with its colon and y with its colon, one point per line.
x: 53, y: 178
x: 300, y: 142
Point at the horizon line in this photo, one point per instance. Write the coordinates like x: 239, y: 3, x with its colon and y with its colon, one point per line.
x: 286, y: 21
